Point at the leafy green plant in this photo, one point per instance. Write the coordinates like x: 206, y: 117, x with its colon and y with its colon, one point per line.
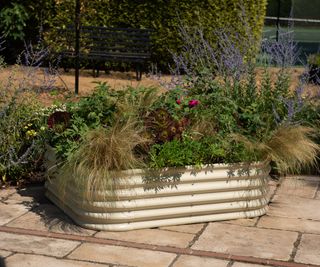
x: 165, y: 18
x: 314, y: 60
x: 13, y: 21
x: 22, y: 140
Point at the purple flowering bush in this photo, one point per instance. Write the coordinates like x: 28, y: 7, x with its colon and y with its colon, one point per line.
x: 249, y: 117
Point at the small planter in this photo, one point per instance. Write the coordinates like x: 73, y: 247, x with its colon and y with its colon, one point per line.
x: 216, y: 192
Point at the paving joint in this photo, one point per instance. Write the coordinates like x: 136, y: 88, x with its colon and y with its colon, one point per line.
x: 197, y: 236
x: 16, y: 217
x: 173, y: 250
x: 174, y: 260
x: 279, y: 182
x: 295, y: 247
x: 72, y: 250
x: 317, y: 191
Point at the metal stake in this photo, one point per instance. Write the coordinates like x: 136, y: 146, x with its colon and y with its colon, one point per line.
x: 77, y: 46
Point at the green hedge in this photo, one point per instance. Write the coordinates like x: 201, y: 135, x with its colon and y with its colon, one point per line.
x: 164, y: 17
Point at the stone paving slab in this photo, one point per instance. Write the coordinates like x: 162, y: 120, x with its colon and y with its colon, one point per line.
x: 247, y: 241
x: 295, y: 207
x: 151, y: 236
x: 241, y: 264
x: 242, y: 222
x: 187, y: 228
x: 4, y: 193
x: 290, y: 224
x: 122, y: 255
x: 29, y: 194
x: 309, y: 249
x: 10, y: 212
x: 48, y: 217
x: 193, y: 261
x: 299, y: 187
x: 37, y: 245
x: 5, y: 253
x: 25, y: 260
x: 317, y: 194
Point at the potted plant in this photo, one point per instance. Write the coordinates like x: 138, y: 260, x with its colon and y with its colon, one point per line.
x: 140, y: 157
x: 137, y: 159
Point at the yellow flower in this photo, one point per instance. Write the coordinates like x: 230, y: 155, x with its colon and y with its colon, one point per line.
x: 31, y: 133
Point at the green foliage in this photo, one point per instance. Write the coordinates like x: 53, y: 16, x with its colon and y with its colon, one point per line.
x: 314, y: 60
x: 165, y: 17
x: 22, y: 140
x: 207, y: 150
x: 88, y: 113
x: 13, y: 21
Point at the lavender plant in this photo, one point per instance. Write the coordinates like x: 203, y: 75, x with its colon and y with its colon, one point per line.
x: 244, y: 108
x: 21, y: 125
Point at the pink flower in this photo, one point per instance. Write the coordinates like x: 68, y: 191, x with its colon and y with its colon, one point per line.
x: 193, y: 103
x: 178, y: 101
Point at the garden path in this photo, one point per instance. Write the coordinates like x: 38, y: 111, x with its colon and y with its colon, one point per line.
x: 33, y: 232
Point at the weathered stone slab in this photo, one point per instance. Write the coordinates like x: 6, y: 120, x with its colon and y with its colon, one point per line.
x: 247, y: 241
x: 25, y: 260
x: 241, y: 264
x: 48, y: 217
x: 27, y: 196
x: 243, y: 222
x: 37, y: 245
x: 309, y: 249
x: 298, y: 187
x: 151, y: 236
x: 10, y: 212
x: 187, y: 228
x: 317, y: 194
x: 291, y: 224
x: 5, y: 192
x: 5, y: 253
x: 295, y: 207
x: 192, y: 261
x: 122, y: 255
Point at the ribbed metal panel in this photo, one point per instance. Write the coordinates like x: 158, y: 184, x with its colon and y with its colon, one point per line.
x: 216, y: 192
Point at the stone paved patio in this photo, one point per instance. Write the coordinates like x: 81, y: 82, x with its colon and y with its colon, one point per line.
x: 33, y: 232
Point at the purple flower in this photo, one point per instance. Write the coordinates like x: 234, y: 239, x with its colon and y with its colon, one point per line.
x: 193, y: 103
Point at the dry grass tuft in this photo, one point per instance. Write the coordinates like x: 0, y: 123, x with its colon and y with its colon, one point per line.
x: 139, y: 104
x: 102, y: 155
x: 292, y: 148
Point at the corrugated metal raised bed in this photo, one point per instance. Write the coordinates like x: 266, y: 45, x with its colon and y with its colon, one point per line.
x: 216, y: 192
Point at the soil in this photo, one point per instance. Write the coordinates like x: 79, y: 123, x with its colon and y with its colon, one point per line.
x: 62, y: 86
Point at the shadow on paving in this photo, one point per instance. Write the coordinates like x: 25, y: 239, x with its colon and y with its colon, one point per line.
x: 2, y: 262
x: 50, y: 216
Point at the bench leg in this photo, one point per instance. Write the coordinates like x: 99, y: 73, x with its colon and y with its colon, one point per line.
x: 95, y: 72
x: 138, y: 72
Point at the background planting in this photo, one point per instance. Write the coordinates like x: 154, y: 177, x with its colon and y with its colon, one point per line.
x: 165, y: 17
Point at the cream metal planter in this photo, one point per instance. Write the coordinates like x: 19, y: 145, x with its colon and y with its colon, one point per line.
x: 216, y: 192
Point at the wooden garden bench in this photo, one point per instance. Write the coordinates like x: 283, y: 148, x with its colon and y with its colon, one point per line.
x: 102, y: 44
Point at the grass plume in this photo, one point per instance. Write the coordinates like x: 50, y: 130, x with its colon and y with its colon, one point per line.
x: 292, y: 148
x: 102, y: 155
